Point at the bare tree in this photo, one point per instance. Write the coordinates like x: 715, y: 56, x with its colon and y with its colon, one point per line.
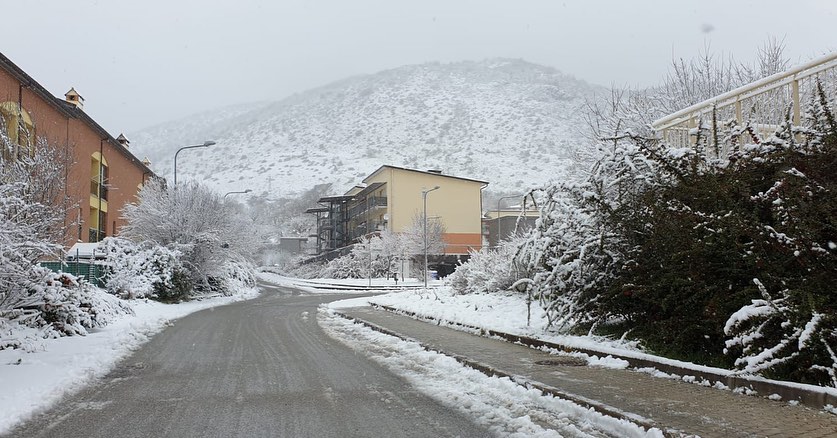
x: 689, y: 81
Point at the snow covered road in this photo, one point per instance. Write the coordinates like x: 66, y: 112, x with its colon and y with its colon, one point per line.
x: 262, y: 367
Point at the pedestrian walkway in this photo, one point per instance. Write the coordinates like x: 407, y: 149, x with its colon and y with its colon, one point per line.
x: 672, y: 405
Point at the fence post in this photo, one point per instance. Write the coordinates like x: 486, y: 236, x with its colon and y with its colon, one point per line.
x: 796, y: 111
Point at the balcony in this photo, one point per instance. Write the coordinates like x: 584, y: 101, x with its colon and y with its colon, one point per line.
x: 99, y: 190
x: 373, y: 203
x: 96, y: 235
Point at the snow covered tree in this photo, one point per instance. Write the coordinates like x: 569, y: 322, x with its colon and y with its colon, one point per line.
x: 488, y: 270
x: 35, y: 301
x: 214, y: 242
x: 575, y: 249
x: 413, y: 240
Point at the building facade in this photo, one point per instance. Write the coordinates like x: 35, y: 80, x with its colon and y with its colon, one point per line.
x: 504, y: 224
x: 102, y: 174
x: 391, y: 199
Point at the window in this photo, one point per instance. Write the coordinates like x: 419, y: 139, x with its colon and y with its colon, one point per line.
x: 99, y: 177
x: 18, y: 126
x: 98, y: 223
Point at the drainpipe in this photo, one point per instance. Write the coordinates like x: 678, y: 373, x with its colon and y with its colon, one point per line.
x: 101, y: 165
x: 20, y: 108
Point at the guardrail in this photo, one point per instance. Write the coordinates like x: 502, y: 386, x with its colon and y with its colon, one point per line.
x: 764, y: 104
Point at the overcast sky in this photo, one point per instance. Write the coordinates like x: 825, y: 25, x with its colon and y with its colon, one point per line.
x: 139, y: 63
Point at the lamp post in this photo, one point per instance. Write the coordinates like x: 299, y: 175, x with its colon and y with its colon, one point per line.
x: 499, y: 221
x: 205, y: 144
x: 424, y: 199
x: 233, y: 193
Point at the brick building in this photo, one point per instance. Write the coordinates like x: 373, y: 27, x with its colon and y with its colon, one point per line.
x: 103, y: 175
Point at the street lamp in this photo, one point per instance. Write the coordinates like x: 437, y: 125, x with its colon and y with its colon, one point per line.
x: 499, y: 221
x: 233, y: 193
x: 205, y: 144
x: 424, y: 199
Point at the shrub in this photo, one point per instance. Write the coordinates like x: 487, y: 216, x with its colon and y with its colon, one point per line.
x: 488, y: 270
x: 54, y: 305
x: 145, y: 270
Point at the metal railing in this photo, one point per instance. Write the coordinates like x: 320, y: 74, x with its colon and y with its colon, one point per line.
x: 763, y: 104
x: 99, y: 189
x: 96, y: 235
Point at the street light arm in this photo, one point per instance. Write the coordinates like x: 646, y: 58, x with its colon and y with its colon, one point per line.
x: 233, y: 193
x: 205, y: 144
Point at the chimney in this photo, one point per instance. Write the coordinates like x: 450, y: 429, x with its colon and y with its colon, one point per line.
x: 123, y: 141
x: 147, y: 162
x: 72, y: 97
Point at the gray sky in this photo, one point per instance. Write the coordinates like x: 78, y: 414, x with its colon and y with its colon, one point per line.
x: 139, y: 63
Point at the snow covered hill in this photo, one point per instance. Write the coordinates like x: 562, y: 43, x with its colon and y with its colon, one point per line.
x: 506, y: 121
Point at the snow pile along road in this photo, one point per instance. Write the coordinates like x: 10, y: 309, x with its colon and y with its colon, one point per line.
x: 497, y: 403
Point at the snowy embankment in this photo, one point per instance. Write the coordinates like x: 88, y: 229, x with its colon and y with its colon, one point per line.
x: 507, y: 313
x: 33, y: 381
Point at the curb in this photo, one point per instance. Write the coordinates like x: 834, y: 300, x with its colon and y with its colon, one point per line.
x: 522, y: 381
x: 788, y: 391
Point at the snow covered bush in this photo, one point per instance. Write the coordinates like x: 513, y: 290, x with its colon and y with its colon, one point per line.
x: 766, y: 213
x: 359, y: 263
x: 575, y: 249
x: 54, y: 305
x: 487, y: 270
x: 210, y: 235
x: 665, y: 243
x: 768, y: 334
x: 299, y: 267
x: 144, y: 270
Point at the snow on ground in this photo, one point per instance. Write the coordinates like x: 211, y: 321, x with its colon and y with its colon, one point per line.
x: 329, y: 286
x: 497, y: 403
x: 508, y: 313
x: 34, y: 381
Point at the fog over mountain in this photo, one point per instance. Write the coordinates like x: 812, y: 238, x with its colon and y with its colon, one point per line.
x: 506, y: 121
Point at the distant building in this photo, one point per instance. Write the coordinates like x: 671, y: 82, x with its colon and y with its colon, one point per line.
x: 499, y: 225
x: 391, y: 198
x: 292, y: 245
x: 103, y: 176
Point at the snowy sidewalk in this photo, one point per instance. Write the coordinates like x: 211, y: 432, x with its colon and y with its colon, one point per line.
x: 672, y: 405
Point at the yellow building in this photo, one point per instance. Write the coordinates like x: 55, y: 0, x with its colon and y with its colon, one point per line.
x: 392, y: 197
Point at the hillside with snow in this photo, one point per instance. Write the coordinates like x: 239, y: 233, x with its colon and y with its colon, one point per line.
x: 509, y: 122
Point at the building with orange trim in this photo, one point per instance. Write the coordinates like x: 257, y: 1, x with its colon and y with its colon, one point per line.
x: 391, y: 198
x: 103, y: 175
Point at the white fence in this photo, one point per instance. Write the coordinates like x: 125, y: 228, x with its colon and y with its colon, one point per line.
x: 764, y: 104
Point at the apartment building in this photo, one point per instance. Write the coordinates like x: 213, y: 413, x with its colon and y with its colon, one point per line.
x: 103, y: 175
x: 392, y: 198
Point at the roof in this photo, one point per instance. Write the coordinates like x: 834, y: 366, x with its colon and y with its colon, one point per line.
x: 67, y: 109
x: 342, y: 198
x: 85, y: 251
x: 387, y: 166
x: 370, y: 188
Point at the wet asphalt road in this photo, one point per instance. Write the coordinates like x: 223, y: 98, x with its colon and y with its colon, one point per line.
x: 256, y: 368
